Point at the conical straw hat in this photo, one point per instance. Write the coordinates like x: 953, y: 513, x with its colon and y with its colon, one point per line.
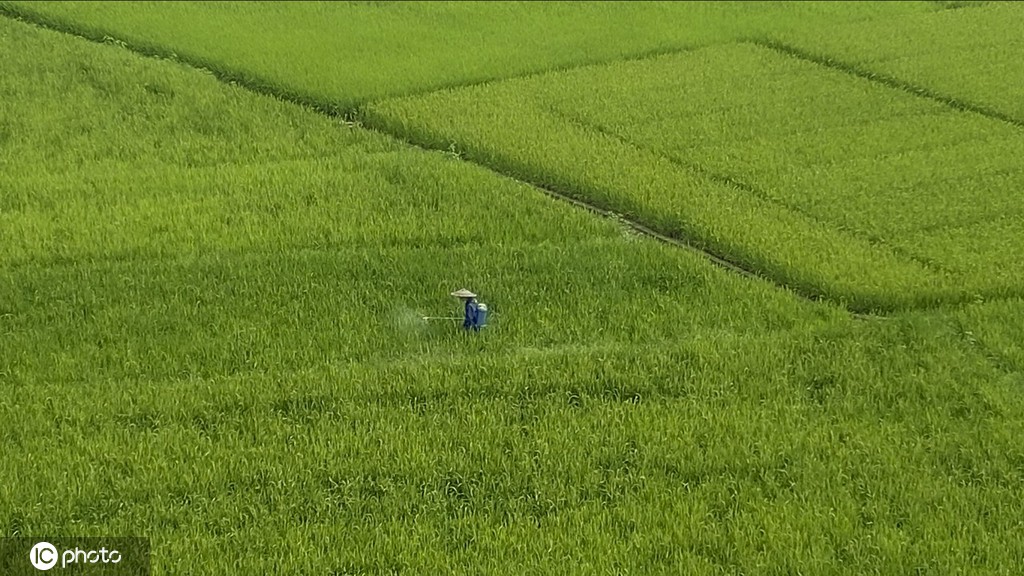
x: 463, y: 293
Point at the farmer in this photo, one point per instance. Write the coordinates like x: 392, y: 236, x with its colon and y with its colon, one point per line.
x: 471, y: 309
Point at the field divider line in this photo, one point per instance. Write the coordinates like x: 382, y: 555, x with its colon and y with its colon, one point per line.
x: 884, y: 80
x: 721, y: 260
x: 954, y: 5
x: 255, y: 83
x: 248, y: 81
x: 639, y: 56
x: 645, y: 230
x: 747, y: 188
x: 636, y: 226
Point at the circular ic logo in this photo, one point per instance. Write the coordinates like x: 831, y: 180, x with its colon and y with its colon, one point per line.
x: 43, y: 556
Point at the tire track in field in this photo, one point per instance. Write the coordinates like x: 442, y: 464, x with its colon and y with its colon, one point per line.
x: 893, y: 82
x: 1000, y: 360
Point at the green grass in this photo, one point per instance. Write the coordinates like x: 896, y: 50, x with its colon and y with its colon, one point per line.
x: 274, y: 237
x: 350, y: 52
x: 824, y: 180
x: 841, y: 452
x: 994, y: 328
x: 971, y: 56
x: 208, y: 336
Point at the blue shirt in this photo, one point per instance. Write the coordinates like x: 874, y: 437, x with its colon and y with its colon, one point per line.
x: 470, y: 320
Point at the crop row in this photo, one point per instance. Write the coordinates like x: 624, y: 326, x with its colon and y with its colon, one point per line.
x: 801, y: 172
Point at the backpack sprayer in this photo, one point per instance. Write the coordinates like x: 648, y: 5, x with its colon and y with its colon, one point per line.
x: 476, y: 315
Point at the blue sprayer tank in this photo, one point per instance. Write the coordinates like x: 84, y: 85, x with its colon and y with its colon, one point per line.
x: 481, y: 315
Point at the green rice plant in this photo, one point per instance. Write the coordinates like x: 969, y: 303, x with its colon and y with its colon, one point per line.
x: 803, y: 173
x: 205, y: 340
x: 994, y: 329
x: 824, y: 448
x: 352, y: 52
x: 967, y: 57
x: 987, y: 251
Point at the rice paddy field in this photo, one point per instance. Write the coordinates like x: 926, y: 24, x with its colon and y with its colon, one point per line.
x: 793, y: 348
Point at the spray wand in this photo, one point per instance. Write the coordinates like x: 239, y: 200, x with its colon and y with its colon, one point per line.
x: 476, y: 316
